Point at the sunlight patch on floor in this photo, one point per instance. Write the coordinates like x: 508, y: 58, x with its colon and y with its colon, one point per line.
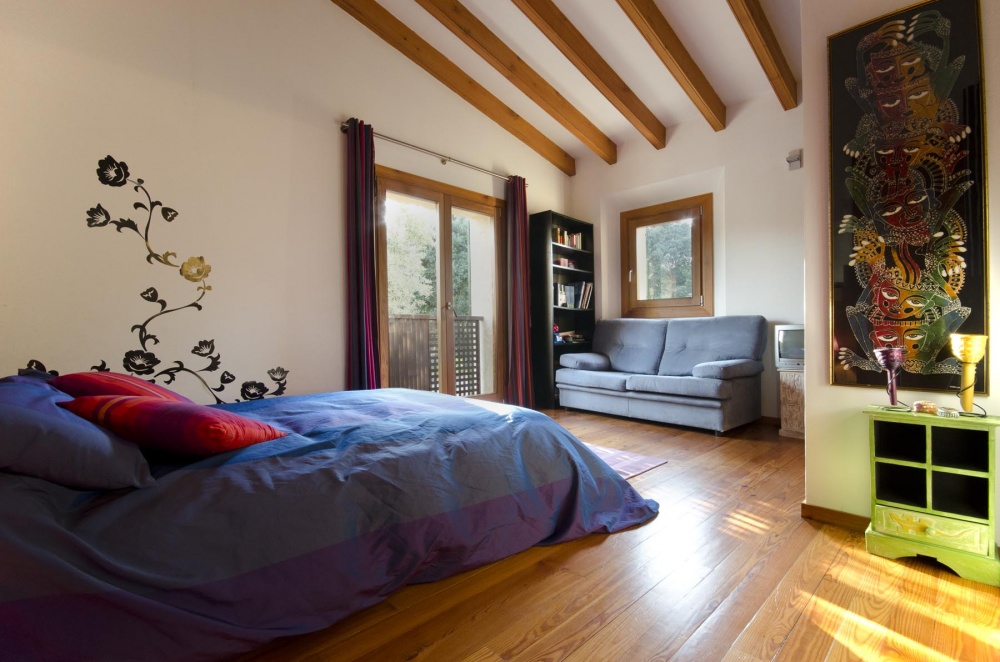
x: 741, y: 524
x: 987, y: 634
x: 866, y: 639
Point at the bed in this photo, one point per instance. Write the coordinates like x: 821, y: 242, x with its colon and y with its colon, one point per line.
x: 201, y: 558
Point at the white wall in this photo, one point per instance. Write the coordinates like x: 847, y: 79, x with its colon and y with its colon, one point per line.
x: 757, y: 202
x: 837, y: 464
x: 230, y: 111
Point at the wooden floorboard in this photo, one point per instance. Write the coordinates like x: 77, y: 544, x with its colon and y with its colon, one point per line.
x: 729, y: 570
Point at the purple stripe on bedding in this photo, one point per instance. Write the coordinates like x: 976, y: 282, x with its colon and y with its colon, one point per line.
x: 233, y: 615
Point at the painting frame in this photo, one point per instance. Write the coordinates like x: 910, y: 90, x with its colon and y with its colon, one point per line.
x: 908, y: 194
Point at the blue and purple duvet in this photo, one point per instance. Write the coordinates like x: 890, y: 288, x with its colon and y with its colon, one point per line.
x: 370, y: 491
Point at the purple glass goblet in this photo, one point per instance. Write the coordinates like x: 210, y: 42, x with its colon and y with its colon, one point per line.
x: 890, y: 358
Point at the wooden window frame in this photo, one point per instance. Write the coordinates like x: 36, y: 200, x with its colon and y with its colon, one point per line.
x: 702, y: 301
x: 448, y: 197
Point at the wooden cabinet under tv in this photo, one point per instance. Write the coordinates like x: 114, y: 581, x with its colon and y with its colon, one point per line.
x: 561, y: 254
x: 933, y: 490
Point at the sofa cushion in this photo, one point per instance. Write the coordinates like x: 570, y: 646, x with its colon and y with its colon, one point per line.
x: 728, y: 369
x: 631, y: 345
x: 706, y: 339
x: 695, y: 387
x: 585, y: 361
x: 613, y: 381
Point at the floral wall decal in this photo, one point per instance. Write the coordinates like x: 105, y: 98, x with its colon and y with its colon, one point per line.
x: 143, y: 361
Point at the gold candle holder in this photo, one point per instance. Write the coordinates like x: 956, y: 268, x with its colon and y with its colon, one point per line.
x: 969, y: 349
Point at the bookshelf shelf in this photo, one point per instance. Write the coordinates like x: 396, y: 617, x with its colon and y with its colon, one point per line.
x: 559, y: 267
x: 556, y: 246
x: 549, y: 279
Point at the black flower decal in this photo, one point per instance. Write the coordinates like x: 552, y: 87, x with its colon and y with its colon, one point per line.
x: 98, y: 217
x: 112, y: 172
x: 35, y: 364
x: 204, y: 348
x: 139, y: 362
x: 253, y: 390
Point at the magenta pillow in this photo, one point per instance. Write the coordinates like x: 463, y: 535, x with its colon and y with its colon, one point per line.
x: 112, y: 383
x: 177, y: 427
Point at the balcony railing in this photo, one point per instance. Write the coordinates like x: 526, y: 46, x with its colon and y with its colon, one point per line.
x: 413, y: 353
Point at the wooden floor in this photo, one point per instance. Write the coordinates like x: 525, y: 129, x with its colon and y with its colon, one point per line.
x: 727, y: 571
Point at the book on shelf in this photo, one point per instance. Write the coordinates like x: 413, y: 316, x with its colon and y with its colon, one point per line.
x: 569, y: 337
x: 573, y: 295
x: 566, y: 238
x: 581, y: 295
x: 588, y: 291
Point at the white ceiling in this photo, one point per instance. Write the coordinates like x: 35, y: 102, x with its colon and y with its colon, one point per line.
x: 707, y: 29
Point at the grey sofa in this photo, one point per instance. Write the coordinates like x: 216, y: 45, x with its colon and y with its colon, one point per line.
x: 701, y: 372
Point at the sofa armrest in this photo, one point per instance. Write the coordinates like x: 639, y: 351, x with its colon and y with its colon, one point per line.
x: 585, y: 361
x: 728, y: 369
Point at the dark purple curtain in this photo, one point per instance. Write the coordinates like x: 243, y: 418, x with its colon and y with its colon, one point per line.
x: 519, y: 290
x: 363, y: 364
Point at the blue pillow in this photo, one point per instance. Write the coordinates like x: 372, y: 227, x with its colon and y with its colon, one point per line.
x: 40, y: 439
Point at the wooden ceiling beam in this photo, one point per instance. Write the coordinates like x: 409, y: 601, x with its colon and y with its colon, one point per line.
x: 464, y: 24
x: 564, y: 35
x: 758, y: 31
x: 653, y: 26
x: 373, y: 16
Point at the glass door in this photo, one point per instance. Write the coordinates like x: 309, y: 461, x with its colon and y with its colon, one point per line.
x: 474, y: 286
x: 413, y: 247
x: 441, y: 284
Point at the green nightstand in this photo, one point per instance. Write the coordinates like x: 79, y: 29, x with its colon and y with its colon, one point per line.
x: 933, y: 490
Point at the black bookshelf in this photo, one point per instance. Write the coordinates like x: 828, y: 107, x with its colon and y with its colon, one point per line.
x: 562, y: 265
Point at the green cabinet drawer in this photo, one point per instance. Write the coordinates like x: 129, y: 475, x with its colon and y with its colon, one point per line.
x: 933, y: 529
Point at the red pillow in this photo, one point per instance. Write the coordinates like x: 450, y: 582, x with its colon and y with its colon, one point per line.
x: 112, y: 383
x: 178, y: 427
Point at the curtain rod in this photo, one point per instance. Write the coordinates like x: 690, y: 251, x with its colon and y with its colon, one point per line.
x: 444, y: 159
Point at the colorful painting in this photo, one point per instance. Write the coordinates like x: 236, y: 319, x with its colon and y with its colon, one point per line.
x: 908, y: 193
x: 142, y: 361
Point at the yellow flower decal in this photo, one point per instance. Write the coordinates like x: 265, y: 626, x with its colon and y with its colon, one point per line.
x: 195, y: 269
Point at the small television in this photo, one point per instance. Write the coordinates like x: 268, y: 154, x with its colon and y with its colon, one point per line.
x: 789, y: 347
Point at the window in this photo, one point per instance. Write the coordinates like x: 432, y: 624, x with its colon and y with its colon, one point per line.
x: 439, y: 270
x: 667, y: 259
